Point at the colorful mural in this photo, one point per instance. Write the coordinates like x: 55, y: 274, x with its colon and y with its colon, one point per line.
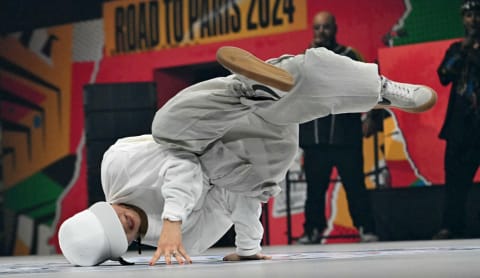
x: 43, y: 71
x: 35, y: 82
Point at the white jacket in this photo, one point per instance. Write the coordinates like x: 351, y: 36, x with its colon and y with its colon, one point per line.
x: 169, y: 183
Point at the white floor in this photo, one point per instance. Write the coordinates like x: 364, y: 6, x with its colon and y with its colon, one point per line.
x: 459, y: 258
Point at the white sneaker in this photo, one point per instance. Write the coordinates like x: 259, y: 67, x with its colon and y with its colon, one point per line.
x: 314, y: 237
x: 407, y: 97
x: 367, y: 237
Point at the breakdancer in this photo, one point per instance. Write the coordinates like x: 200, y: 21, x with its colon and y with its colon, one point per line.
x: 218, y: 149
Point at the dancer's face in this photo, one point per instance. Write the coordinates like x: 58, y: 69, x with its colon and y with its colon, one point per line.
x: 130, y: 220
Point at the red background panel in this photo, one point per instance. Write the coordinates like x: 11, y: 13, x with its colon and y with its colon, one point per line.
x: 418, y: 64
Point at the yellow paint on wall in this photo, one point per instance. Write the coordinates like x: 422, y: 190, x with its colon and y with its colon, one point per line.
x: 133, y: 26
x: 21, y: 249
x: 51, y: 141
x: 342, y: 217
x: 394, y: 148
x: 369, y: 157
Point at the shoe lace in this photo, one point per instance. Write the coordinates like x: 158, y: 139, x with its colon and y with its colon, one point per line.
x: 398, y: 90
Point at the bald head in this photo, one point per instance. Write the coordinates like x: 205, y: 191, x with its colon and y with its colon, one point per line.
x: 324, y: 29
x: 324, y: 17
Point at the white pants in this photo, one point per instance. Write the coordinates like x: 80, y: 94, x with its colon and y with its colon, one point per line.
x: 248, y: 145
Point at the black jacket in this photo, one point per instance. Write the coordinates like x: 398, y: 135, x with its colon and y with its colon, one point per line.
x: 339, y: 129
x: 462, y: 121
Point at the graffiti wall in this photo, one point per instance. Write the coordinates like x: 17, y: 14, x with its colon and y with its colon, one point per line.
x: 43, y: 72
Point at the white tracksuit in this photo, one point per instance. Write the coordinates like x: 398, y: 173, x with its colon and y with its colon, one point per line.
x: 223, y: 147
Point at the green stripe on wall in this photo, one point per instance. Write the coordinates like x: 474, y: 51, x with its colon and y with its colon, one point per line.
x: 37, y: 190
x: 432, y: 21
x: 43, y: 211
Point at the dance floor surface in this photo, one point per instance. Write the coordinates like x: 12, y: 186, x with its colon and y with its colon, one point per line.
x: 447, y: 258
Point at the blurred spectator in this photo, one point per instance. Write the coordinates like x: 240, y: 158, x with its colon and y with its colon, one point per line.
x: 461, y: 129
x: 334, y: 140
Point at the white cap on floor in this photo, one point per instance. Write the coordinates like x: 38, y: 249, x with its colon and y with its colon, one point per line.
x: 93, y: 236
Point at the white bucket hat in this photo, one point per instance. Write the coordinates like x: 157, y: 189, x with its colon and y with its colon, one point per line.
x: 93, y: 236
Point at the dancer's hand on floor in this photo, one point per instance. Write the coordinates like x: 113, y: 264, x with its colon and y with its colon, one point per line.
x: 170, y: 244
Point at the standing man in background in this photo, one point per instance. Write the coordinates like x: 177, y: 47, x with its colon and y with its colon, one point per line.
x: 334, y: 140
x: 461, y: 129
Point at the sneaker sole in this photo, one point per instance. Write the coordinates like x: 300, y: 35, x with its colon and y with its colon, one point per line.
x: 419, y: 109
x: 245, y: 63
